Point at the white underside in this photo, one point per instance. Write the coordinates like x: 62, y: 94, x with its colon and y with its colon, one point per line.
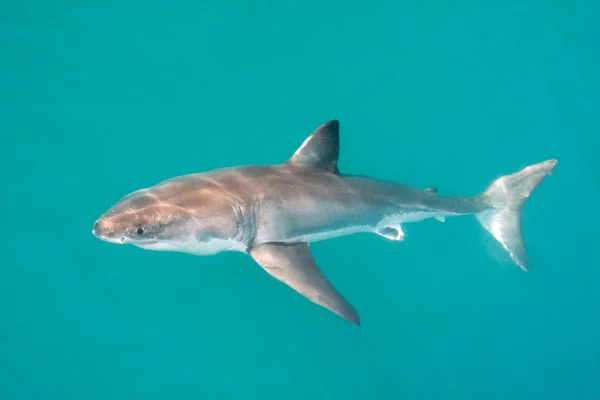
x: 389, y: 221
x: 317, y: 237
x: 192, y: 246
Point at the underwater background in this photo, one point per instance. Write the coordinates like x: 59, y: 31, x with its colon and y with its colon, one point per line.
x: 101, y: 98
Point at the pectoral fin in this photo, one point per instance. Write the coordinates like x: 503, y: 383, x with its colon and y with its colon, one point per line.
x: 294, y: 265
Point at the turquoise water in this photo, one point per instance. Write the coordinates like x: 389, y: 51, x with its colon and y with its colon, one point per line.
x: 102, y: 98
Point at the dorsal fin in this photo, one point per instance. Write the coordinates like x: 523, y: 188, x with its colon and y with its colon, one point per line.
x: 321, y: 148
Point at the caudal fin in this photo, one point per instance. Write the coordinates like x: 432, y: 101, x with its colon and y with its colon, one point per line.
x: 506, y: 197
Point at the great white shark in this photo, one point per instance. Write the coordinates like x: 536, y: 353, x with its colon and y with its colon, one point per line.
x: 273, y: 212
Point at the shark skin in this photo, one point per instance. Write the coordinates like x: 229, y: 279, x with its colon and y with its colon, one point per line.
x: 273, y: 213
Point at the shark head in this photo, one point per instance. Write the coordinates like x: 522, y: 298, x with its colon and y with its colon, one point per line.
x: 142, y: 218
x: 155, y: 219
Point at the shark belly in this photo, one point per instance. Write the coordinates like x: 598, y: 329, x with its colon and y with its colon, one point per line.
x: 320, y: 235
x: 387, y: 223
x: 195, y: 247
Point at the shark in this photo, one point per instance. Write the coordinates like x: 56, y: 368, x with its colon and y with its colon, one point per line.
x: 274, y: 212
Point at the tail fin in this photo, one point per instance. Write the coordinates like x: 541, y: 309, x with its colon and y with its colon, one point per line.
x: 506, y: 197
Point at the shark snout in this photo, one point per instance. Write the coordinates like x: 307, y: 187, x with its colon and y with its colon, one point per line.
x: 104, y: 229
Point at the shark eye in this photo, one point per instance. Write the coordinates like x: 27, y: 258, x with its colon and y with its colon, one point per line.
x: 140, y: 231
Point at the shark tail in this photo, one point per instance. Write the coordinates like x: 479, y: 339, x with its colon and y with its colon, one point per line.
x: 505, y: 198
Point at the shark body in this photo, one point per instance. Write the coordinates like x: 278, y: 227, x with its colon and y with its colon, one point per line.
x: 273, y: 212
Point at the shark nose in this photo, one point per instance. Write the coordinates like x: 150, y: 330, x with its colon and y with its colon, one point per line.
x: 101, y: 228
x: 97, y: 228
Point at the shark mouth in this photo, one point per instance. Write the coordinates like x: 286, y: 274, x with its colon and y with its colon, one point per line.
x: 115, y: 240
x: 124, y: 240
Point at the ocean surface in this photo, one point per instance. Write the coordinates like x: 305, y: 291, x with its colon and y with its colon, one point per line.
x: 101, y: 98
